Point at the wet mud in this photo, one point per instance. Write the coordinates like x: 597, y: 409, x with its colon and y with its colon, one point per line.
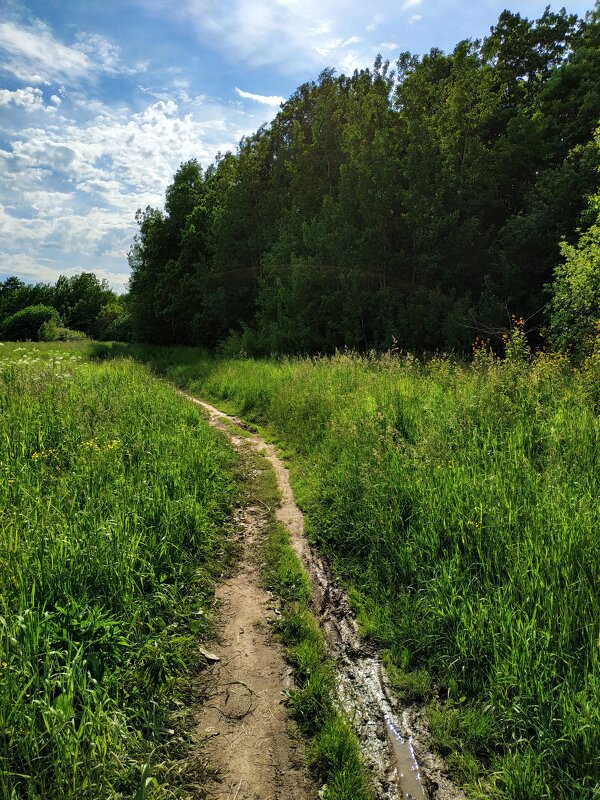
x: 394, y: 738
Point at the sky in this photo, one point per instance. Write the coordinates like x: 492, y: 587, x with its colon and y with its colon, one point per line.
x: 102, y: 100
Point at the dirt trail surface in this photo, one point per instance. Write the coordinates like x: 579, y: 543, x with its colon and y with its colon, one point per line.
x: 244, y: 716
x: 394, y: 740
x: 244, y: 722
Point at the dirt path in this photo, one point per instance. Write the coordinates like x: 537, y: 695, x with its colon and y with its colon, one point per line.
x: 244, y: 721
x: 394, y: 739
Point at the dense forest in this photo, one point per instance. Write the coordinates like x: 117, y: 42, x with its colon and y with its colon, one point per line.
x: 424, y: 205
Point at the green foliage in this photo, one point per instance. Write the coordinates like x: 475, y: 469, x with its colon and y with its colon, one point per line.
x: 416, y: 206
x: 113, y: 493
x: 461, y: 504
x: 113, y: 322
x: 48, y: 331
x: 168, y: 263
x: 51, y: 332
x: 24, y: 325
x: 83, y: 302
x: 80, y: 299
x: 575, y: 304
x: 16, y: 295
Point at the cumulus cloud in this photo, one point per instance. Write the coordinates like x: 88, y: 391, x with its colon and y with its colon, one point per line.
x: 414, y: 18
x: 267, y: 100
x: 29, y: 98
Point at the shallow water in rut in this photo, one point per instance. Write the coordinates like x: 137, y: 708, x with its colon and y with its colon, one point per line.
x: 389, y: 735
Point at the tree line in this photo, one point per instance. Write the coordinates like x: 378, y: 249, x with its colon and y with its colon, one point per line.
x: 423, y: 205
x: 74, y: 307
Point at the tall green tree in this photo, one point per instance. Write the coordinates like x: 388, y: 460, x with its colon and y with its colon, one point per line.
x: 420, y: 204
x: 79, y: 299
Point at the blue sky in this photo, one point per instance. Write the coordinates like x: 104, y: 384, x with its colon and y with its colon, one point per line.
x: 101, y: 100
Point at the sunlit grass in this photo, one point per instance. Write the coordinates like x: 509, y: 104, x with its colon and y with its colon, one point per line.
x: 113, y: 494
x: 461, y: 504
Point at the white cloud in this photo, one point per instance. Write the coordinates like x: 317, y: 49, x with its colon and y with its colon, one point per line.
x: 29, y: 98
x: 102, y: 54
x: 47, y: 203
x: 322, y: 27
x: 295, y: 35
x: 106, y: 56
x: 414, y: 18
x: 411, y: 4
x: 268, y: 100
x: 33, y: 55
x: 375, y: 22
x: 389, y: 46
x: 350, y: 61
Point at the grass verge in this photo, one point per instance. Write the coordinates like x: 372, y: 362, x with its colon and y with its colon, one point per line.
x: 114, y: 494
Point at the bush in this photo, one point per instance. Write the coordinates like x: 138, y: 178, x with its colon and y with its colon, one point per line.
x: 25, y: 324
x: 69, y: 335
x: 51, y: 332
x: 48, y: 331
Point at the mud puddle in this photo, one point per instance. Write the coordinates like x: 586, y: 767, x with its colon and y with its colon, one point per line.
x: 394, y: 739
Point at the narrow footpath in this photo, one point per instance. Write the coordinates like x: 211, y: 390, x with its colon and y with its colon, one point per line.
x: 250, y: 740
x: 244, y: 722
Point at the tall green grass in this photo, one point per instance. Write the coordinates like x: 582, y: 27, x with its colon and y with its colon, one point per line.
x: 113, y: 495
x: 461, y: 505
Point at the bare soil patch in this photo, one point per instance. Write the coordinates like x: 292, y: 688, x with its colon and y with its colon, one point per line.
x: 244, y: 718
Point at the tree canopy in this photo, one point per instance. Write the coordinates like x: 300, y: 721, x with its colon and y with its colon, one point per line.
x: 82, y: 302
x: 422, y: 204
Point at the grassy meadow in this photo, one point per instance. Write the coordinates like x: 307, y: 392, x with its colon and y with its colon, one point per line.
x: 113, y: 495
x: 460, y: 505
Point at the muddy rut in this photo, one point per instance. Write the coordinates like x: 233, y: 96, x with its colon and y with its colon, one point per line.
x: 244, y: 712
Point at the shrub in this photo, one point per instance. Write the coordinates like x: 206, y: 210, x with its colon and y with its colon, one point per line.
x: 48, y: 331
x: 25, y: 324
x: 69, y: 335
x: 51, y: 332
